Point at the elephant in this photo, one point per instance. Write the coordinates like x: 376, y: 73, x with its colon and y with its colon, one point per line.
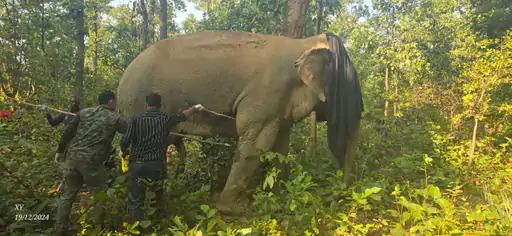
x: 265, y: 82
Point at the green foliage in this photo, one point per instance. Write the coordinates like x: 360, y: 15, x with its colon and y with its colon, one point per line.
x: 249, y: 16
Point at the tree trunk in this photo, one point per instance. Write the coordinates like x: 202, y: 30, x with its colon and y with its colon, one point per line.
x: 151, y: 18
x: 80, y: 49
x: 386, y: 84
x: 95, y: 29
x: 395, y: 100
x: 41, y: 4
x: 313, y: 135
x: 473, y: 146
x: 319, y: 17
x: 475, y: 129
x: 294, y: 28
x: 296, y: 17
x: 163, y: 19
x: 132, y: 22
x: 144, y: 32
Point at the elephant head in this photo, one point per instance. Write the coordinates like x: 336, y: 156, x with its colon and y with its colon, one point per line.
x: 343, y: 104
x: 313, y: 68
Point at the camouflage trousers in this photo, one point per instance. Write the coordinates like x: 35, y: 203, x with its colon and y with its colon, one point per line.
x: 76, y: 174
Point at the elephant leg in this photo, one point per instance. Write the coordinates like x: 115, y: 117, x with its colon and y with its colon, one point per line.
x: 350, y: 157
x: 182, y: 153
x: 180, y: 148
x: 282, y: 146
x: 245, y: 165
x: 282, y: 143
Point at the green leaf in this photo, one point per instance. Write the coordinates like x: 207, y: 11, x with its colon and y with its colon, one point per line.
x: 245, y: 231
x: 151, y: 195
x: 27, y: 143
x: 210, y: 225
x: 111, y: 192
x: 293, y: 205
x: 405, y: 217
x: 145, y: 223
x: 205, y: 208
x: 269, y: 181
x: 434, y: 191
x: 151, y: 210
x: 211, y: 213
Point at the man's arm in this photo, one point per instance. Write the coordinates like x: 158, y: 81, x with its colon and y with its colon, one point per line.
x: 121, y: 126
x: 54, y: 121
x: 176, y: 118
x: 128, y: 136
x: 69, y: 133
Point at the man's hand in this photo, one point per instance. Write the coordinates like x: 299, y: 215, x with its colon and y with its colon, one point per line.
x: 59, y: 157
x: 193, y: 109
x: 43, y: 108
x: 199, y: 107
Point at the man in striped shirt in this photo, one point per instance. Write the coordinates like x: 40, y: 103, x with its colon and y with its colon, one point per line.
x: 148, y: 134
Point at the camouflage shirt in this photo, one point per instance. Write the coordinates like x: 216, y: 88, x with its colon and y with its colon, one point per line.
x: 91, y: 132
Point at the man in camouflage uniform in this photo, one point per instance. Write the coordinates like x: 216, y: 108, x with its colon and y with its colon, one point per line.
x: 90, y: 135
x: 62, y: 118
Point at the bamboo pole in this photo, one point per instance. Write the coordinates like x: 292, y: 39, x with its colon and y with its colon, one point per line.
x: 39, y: 106
x: 177, y: 134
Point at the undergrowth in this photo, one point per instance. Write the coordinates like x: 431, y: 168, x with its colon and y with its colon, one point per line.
x: 410, y: 181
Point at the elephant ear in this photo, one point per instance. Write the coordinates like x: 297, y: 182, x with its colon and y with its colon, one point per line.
x: 312, y: 67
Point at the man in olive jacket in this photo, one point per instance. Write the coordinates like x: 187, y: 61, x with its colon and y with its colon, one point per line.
x: 89, y: 135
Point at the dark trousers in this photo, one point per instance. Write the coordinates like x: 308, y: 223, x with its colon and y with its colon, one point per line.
x: 154, y: 172
x: 75, y: 174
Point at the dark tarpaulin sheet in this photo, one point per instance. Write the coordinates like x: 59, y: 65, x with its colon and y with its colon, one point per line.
x: 344, y: 101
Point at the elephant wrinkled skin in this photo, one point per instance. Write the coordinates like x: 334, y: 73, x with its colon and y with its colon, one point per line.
x: 266, y: 82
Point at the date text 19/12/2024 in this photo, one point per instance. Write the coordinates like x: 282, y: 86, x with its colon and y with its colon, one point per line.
x: 32, y: 217
x: 19, y: 207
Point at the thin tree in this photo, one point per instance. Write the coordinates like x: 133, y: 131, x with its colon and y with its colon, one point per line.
x: 386, y: 85
x: 144, y: 33
x: 95, y: 30
x: 78, y: 7
x: 319, y: 19
x: 163, y: 19
x: 41, y: 6
x: 395, y: 100
x: 151, y: 19
x: 319, y: 16
x: 132, y: 22
x: 296, y: 18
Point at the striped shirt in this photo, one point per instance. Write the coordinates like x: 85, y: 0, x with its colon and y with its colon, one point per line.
x: 148, y: 135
